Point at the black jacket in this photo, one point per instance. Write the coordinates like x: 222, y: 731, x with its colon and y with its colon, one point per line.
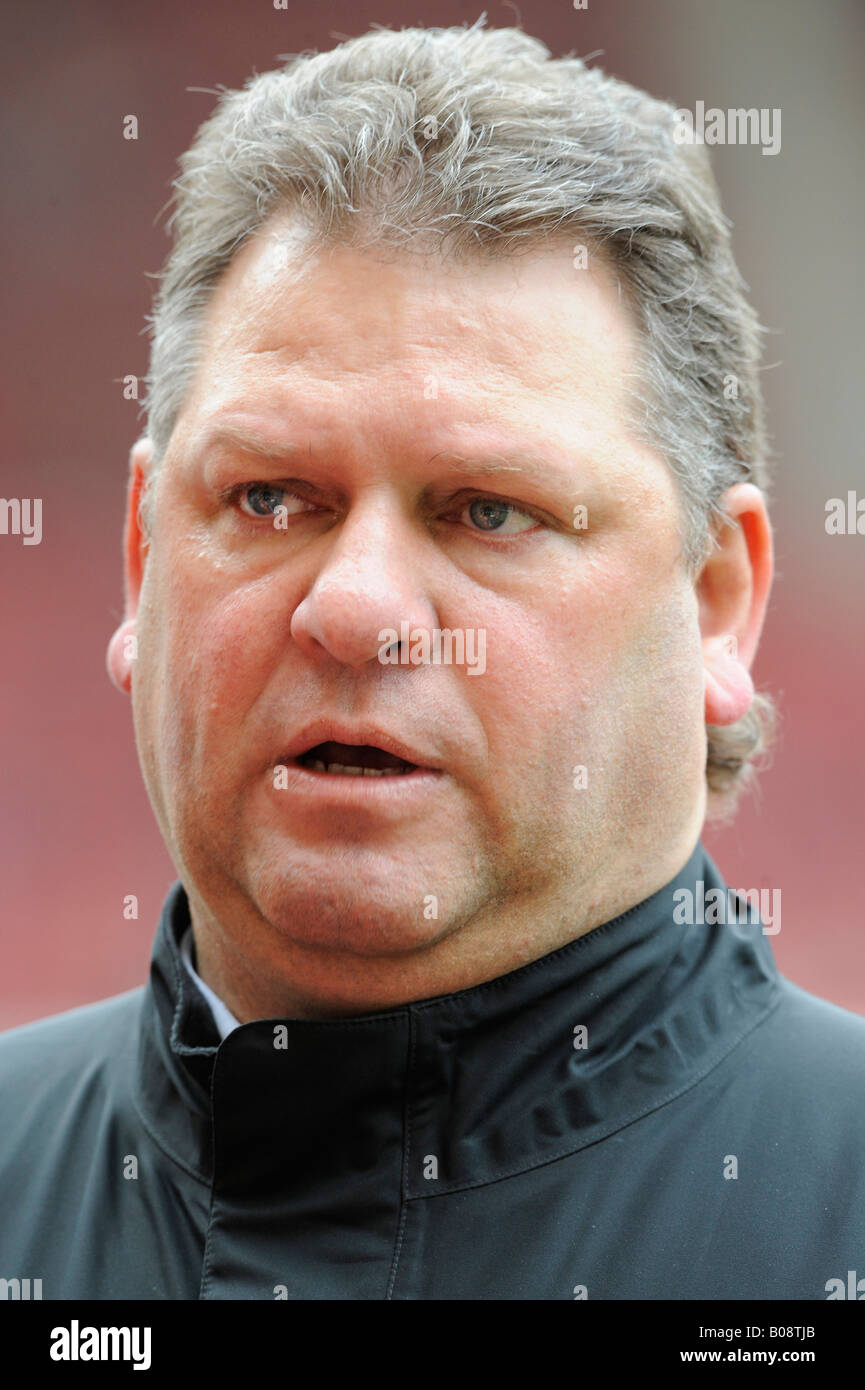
x: 706, y: 1142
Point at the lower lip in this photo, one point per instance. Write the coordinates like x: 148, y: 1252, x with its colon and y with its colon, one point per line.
x: 347, y: 790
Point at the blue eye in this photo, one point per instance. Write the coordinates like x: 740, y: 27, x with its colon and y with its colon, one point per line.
x: 269, y: 502
x: 261, y: 499
x: 491, y: 515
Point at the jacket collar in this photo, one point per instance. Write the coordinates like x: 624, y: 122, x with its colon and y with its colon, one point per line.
x: 486, y: 1081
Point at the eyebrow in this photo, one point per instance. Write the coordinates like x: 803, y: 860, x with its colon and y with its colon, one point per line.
x: 488, y: 464
x: 492, y: 463
x: 247, y: 438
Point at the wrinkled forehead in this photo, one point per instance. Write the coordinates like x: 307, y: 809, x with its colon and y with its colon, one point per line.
x: 551, y: 322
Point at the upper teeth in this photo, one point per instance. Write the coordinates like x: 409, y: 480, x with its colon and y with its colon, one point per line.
x: 351, y: 771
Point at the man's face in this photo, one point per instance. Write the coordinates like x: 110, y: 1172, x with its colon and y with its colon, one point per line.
x: 425, y: 436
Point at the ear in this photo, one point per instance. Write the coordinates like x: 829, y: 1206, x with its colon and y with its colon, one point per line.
x: 733, y: 591
x: 122, y: 649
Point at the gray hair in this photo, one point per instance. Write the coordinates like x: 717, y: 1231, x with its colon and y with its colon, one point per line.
x: 478, y: 140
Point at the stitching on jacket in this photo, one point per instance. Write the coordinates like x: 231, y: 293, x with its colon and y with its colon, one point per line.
x: 574, y: 947
x: 207, y: 1257
x: 406, y: 1150
x: 204, y: 1285
x: 714, y: 1060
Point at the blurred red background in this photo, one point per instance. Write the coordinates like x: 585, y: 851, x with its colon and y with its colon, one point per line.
x: 81, y: 237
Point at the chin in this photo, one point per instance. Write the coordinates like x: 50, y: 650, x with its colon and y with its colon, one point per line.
x: 350, y: 918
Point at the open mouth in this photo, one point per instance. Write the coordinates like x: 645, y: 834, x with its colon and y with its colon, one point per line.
x: 354, y: 760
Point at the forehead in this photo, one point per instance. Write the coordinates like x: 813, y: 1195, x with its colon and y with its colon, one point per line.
x: 289, y: 309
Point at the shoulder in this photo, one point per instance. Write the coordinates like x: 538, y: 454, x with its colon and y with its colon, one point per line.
x: 812, y: 1054
x: 66, y: 1048
x: 809, y: 1020
x: 65, y: 1085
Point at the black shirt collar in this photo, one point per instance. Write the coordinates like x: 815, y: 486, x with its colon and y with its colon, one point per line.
x: 486, y: 1081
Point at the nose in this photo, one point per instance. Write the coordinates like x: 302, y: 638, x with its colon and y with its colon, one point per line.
x: 370, y: 582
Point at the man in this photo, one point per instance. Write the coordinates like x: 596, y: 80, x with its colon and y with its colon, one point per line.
x: 446, y: 560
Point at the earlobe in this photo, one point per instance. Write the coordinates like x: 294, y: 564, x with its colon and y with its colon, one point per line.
x: 122, y: 651
x: 729, y: 688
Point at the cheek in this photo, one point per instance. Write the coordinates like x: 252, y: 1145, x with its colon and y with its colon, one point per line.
x: 210, y: 650
x: 606, y: 676
x: 542, y: 697
x: 658, y: 698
